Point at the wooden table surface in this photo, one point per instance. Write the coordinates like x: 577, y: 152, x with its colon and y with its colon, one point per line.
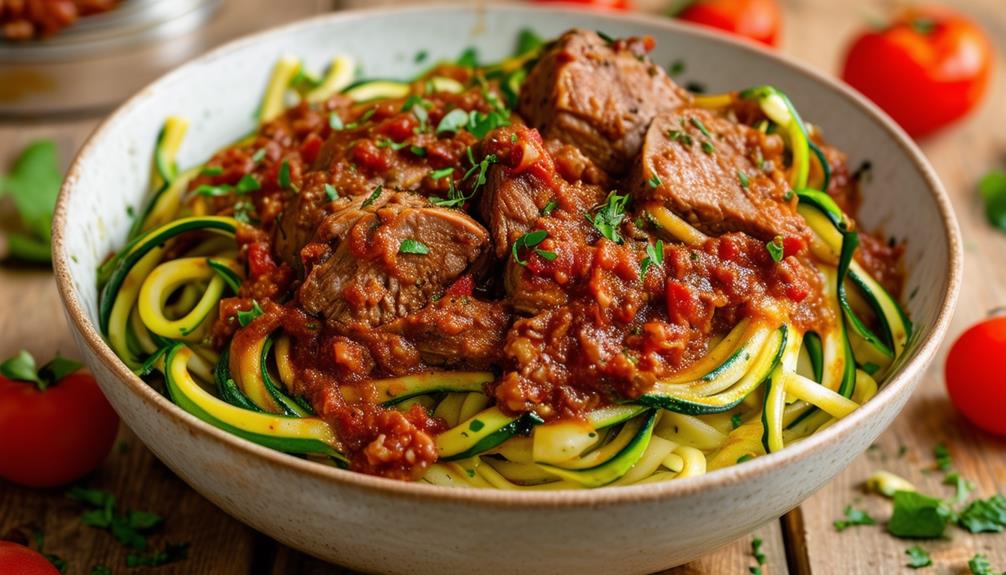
x: 802, y: 542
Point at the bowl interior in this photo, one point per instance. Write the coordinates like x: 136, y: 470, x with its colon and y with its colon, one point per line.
x: 219, y: 94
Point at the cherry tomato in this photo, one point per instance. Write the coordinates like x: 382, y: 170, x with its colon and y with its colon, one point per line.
x: 757, y: 20
x: 19, y: 560
x: 928, y: 68
x: 975, y: 378
x: 606, y: 4
x: 54, y: 429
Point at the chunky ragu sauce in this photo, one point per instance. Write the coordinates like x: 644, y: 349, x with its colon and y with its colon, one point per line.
x: 566, y: 324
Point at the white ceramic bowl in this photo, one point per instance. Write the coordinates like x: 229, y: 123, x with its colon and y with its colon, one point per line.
x: 374, y: 524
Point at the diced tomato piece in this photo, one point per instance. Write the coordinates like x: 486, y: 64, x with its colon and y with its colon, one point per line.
x: 260, y: 261
x: 369, y: 156
x: 681, y: 305
x: 310, y: 148
x: 791, y: 246
x: 399, y: 128
x: 461, y: 286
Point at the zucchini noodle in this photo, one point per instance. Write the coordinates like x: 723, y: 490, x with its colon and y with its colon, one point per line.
x: 759, y: 387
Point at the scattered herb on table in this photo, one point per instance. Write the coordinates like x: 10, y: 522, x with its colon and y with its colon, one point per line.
x: 918, y: 516
x: 962, y: 487
x: 56, y: 560
x: 756, y: 544
x: 979, y: 565
x: 984, y: 515
x: 943, y: 459
x: 853, y: 517
x: 918, y: 557
x: 33, y: 184
x: 992, y: 188
x: 170, y: 553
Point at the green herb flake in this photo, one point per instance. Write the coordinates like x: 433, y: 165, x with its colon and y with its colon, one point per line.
x: 984, y: 515
x: 454, y: 121
x: 679, y: 136
x: 605, y: 37
x: 476, y: 425
x: 923, y: 26
x: 528, y: 241
x: 527, y: 41
x: 942, y: 455
x: 214, y: 191
x: 708, y: 148
x: 744, y: 180
x: 469, y: 58
x: 245, y: 317
x: 755, y: 570
x: 677, y: 67
x: 700, y: 126
x: 410, y: 246
x: 389, y: 143
x: 481, y: 123
x: 735, y: 421
x: 918, y: 557
x: 373, y: 196
x: 335, y: 121
x: 962, y: 487
x: 331, y: 193
x: 853, y: 517
x: 756, y: 544
x: 420, y: 56
x: 992, y: 188
x: 283, y: 177
x: 457, y: 198
x: 170, y: 553
x: 441, y: 173
x: 979, y: 565
x: 417, y: 151
x: 654, y: 181
x: 549, y: 208
x: 258, y: 156
x: 918, y: 516
x: 248, y: 184
x: 609, y: 216
x: 513, y: 138
x: 211, y: 171
x: 654, y: 257
x: 775, y: 249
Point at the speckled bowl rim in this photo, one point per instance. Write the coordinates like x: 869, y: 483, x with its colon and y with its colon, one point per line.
x: 901, y: 383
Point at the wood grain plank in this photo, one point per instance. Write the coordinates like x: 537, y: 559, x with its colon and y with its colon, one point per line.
x: 960, y: 155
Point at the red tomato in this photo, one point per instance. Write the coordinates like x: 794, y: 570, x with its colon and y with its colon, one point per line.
x: 55, y: 436
x: 758, y: 20
x: 975, y: 378
x: 607, y: 4
x: 927, y: 68
x: 19, y: 560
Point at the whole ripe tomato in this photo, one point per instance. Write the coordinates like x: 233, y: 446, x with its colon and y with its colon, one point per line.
x: 758, y: 20
x: 975, y: 378
x: 55, y: 425
x: 927, y: 68
x: 608, y: 4
x: 19, y: 560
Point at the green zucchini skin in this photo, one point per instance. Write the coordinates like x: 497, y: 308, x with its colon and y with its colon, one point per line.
x: 142, y: 245
x: 285, y: 402
x: 227, y: 388
x: 520, y: 425
x: 618, y: 465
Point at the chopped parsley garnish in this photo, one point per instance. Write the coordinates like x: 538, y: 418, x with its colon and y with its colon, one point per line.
x: 853, y: 517
x: 335, y: 121
x: 700, y: 126
x: 212, y: 171
x: 389, y: 143
x: 549, y: 208
x: 171, y: 553
x: 469, y: 58
x: 775, y: 249
x: 527, y: 41
x: 942, y: 456
x: 918, y: 516
x: 418, y: 151
x: 979, y: 565
x: 756, y: 544
x: 129, y: 528
x: 676, y: 67
x: 258, y: 156
x: 214, y: 191
x: 654, y: 257
x: 457, y: 198
x: 530, y: 241
x: 454, y: 121
x: 610, y: 216
x: 735, y: 421
x: 513, y: 138
x: 708, y: 148
x: 420, y: 56
x: 984, y: 515
x: 745, y: 181
x: 680, y: 136
x: 992, y: 188
x: 441, y: 173
x: 283, y: 177
x: 243, y: 212
x: 654, y: 181
x: 481, y: 123
x: 331, y: 193
x: 247, y: 184
x: 605, y: 37
x: 245, y: 317
x: 363, y: 118
x: 962, y: 487
x: 411, y: 246
x: 373, y: 196
x: 918, y: 557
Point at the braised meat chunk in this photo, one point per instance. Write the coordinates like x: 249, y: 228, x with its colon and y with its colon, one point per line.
x: 457, y: 330
x: 394, y: 258
x: 711, y: 171
x: 598, y: 95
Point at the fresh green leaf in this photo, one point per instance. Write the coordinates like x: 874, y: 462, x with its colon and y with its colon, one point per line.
x: 410, y: 246
x: 335, y: 121
x: 962, y: 486
x: 33, y: 184
x: 248, y: 184
x: 918, y: 557
x: 212, y: 171
x: 28, y: 249
x: 676, y: 67
x: 680, y: 136
x: 454, y: 121
x: 745, y: 457
x: 331, y: 193
x: 654, y: 257
x: 245, y: 317
x: 373, y: 196
x: 258, y: 156
x: 214, y: 191
x: 984, y: 515
x: 775, y: 249
x: 546, y: 255
x: 456, y: 198
x: 481, y: 123
x: 527, y: 241
x: 700, y: 126
x: 756, y: 544
x: 389, y: 143
x: 56, y: 369
x: 549, y: 208
x: 21, y: 367
x: 992, y: 188
x: 171, y: 553
x: 469, y: 58
x: 654, y: 181
x: 283, y: 177
x: 979, y: 565
x: 528, y: 41
x: 143, y: 520
x: 441, y: 173
x: 745, y: 181
x: 708, y: 148
x: 609, y: 216
x: 918, y: 516
x: 853, y: 517
x: 418, y: 151
x: 942, y: 455
x: 91, y: 497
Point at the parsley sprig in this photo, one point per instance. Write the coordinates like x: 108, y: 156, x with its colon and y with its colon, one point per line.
x: 609, y: 216
x: 530, y: 241
x: 456, y: 197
